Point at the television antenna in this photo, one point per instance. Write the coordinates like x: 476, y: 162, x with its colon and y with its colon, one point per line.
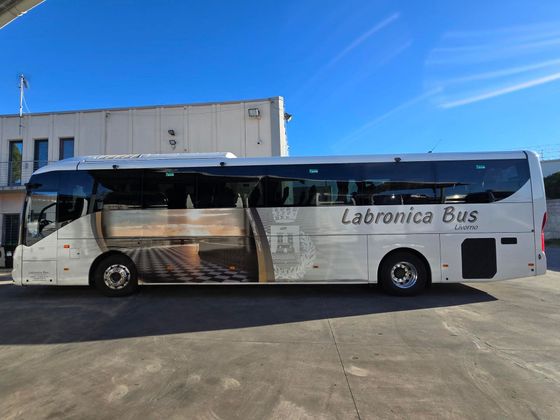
x: 22, y: 86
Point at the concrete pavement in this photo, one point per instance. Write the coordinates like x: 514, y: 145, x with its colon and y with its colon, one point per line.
x: 489, y: 350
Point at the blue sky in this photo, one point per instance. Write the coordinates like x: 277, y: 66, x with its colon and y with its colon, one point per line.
x: 358, y: 76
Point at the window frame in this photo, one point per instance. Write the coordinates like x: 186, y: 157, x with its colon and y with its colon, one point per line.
x: 11, y: 161
x: 479, y: 196
x: 328, y: 172
x: 61, y: 142
x: 36, y: 159
x: 95, y: 173
x: 147, y: 181
x: 5, y: 217
x: 33, y: 188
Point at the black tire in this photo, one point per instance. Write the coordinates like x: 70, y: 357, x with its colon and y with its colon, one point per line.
x: 403, y: 274
x: 116, y: 275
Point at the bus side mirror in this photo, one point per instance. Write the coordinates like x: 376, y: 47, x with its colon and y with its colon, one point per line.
x: 31, y: 185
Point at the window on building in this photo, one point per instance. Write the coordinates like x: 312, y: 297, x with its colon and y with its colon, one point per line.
x: 10, y: 230
x: 66, y: 148
x: 15, y: 162
x: 40, y: 153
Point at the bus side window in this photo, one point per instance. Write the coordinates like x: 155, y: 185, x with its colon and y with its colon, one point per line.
x: 280, y: 193
x: 255, y: 196
x: 316, y: 185
x: 215, y: 191
x: 397, y: 183
x: 74, y: 196
x: 167, y: 189
x: 480, y: 181
x: 119, y: 190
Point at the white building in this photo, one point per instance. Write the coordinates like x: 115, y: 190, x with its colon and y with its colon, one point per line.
x: 550, y: 166
x: 246, y: 128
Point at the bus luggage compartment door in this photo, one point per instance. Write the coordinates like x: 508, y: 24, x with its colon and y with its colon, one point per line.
x: 479, y: 257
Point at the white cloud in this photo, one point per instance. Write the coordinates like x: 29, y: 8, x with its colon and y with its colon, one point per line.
x: 502, y: 72
x: 520, y: 32
x: 501, y: 91
x: 480, y: 46
x: 353, y: 136
x: 363, y: 37
x: 474, y: 66
x: 345, y: 51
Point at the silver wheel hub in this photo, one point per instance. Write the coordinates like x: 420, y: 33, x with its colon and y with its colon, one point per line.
x: 116, y: 276
x: 404, y: 275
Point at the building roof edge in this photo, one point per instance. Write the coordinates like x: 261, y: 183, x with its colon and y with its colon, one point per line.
x: 194, y: 104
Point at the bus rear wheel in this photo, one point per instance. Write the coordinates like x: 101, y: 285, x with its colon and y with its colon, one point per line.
x: 403, y: 274
x: 116, y: 276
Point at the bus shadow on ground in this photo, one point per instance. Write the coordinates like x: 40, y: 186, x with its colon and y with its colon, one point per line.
x: 48, y: 315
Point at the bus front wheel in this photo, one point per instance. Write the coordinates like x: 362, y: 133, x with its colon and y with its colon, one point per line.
x: 403, y: 274
x: 116, y: 276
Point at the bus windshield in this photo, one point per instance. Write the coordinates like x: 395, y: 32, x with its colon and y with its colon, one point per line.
x: 40, y: 216
x: 54, y: 201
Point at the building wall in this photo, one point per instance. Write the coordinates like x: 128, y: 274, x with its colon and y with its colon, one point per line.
x: 10, y: 203
x: 550, y: 167
x: 552, y: 228
x: 211, y: 127
x: 223, y: 127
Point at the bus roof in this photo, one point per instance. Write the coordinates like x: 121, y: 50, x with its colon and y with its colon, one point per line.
x: 186, y: 160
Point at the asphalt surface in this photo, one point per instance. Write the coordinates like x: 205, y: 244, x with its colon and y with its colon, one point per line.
x: 488, y: 350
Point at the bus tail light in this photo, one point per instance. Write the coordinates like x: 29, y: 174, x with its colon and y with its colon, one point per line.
x: 542, y: 231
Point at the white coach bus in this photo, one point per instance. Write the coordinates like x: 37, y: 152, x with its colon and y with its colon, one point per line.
x: 403, y: 221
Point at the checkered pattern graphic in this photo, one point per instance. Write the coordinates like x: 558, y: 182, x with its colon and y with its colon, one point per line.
x: 182, y: 264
